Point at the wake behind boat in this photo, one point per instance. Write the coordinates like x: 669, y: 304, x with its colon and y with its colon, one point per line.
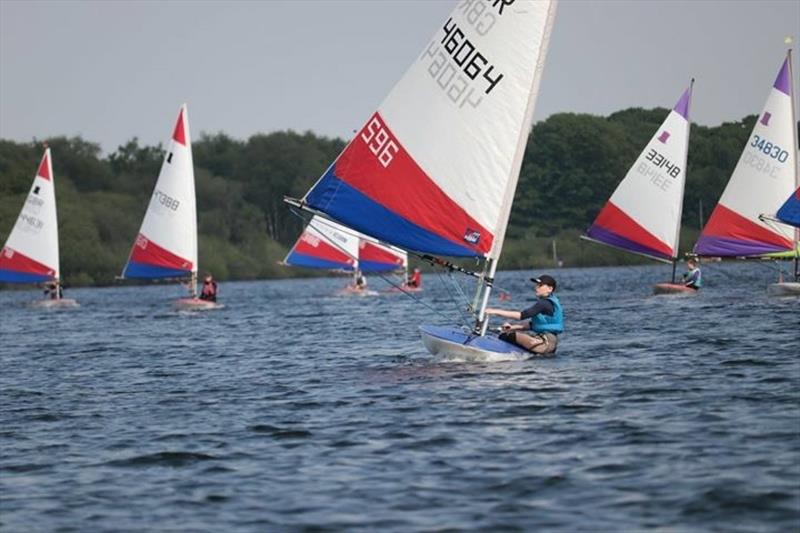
x: 30, y: 254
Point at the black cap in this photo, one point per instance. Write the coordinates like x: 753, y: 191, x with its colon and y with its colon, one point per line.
x: 545, y: 280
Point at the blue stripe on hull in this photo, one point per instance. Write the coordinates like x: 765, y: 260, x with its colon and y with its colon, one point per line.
x: 12, y: 276
x: 141, y: 270
x: 354, y: 209
x: 489, y: 343
x: 303, y: 260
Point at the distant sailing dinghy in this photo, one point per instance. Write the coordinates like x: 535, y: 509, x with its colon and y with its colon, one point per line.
x: 789, y: 213
x: 435, y: 168
x: 30, y: 254
x: 166, y: 247
x: 643, y: 216
x: 764, y: 177
x: 324, y: 244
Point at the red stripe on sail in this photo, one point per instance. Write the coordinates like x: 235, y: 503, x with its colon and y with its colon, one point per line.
x: 377, y: 165
x: 13, y: 260
x: 613, y: 219
x: 370, y: 252
x: 44, y: 168
x: 147, y: 252
x: 727, y: 223
x: 314, y: 246
x: 179, y: 135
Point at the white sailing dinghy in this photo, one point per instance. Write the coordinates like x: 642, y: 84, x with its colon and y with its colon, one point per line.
x: 324, y: 244
x: 643, y: 216
x: 30, y: 254
x: 435, y: 168
x: 764, y: 177
x: 166, y: 246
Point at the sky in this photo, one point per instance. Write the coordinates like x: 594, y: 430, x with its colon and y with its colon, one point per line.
x: 110, y: 71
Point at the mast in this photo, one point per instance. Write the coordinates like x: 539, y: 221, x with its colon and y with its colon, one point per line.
x: 683, y: 183
x: 796, y: 171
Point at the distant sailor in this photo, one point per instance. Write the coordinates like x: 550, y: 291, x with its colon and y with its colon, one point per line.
x: 415, y: 279
x: 361, y: 282
x: 209, y: 292
x: 53, y: 290
x: 693, y: 278
x: 545, y: 320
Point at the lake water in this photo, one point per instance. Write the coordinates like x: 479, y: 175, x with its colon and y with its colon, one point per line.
x: 294, y: 409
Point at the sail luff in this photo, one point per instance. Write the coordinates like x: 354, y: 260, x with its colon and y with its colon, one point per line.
x: 522, y: 142
x: 677, y: 239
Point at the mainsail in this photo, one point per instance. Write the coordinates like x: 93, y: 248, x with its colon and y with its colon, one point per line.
x: 328, y: 245
x: 643, y: 215
x: 435, y: 168
x: 325, y: 244
x: 166, y: 246
x: 762, y: 180
x: 31, y: 251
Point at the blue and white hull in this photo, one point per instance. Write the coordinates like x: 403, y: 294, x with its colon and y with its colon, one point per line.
x: 458, y: 344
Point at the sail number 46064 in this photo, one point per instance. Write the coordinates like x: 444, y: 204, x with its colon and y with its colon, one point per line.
x: 379, y: 141
x: 772, y: 150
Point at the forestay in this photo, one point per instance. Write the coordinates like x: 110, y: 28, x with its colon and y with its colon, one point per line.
x: 762, y: 180
x: 435, y: 168
x: 643, y: 215
x: 166, y: 246
x: 31, y: 251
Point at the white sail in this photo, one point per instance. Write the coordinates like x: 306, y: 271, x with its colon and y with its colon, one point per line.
x: 31, y: 251
x: 167, y: 242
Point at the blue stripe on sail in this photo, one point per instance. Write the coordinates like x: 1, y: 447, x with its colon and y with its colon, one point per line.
x: 377, y: 266
x: 141, y: 270
x: 354, y: 209
x: 303, y: 260
x: 12, y: 276
x: 790, y: 211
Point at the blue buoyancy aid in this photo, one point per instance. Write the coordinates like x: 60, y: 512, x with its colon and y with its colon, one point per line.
x: 554, y: 323
x: 694, y: 277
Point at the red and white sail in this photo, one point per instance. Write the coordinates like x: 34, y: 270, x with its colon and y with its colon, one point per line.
x: 31, y: 251
x: 435, y: 168
x: 644, y: 214
x: 166, y: 246
x: 325, y: 244
x: 763, y: 179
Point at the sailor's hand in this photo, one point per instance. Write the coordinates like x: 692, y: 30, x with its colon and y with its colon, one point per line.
x: 506, y: 326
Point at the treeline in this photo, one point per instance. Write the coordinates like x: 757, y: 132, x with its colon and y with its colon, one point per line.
x: 571, y: 166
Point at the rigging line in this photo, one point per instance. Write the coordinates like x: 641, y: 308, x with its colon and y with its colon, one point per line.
x: 386, y: 279
x: 460, y: 312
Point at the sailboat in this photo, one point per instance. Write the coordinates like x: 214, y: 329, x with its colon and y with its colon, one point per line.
x: 166, y: 246
x: 643, y: 215
x: 764, y: 177
x: 30, y: 254
x: 435, y: 168
x: 324, y: 244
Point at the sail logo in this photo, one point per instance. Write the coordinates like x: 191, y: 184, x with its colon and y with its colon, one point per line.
x: 765, y: 118
x: 663, y: 137
x: 380, y: 141
x: 141, y: 242
x: 8, y: 252
x: 472, y: 236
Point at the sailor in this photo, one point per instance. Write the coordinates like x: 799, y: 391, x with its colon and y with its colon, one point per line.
x: 53, y: 290
x: 209, y: 292
x: 415, y: 279
x: 544, y: 319
x: 361, y: 282
x: 693, y: 278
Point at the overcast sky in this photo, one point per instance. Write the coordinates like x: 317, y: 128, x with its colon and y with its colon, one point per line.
x: 110, y: 71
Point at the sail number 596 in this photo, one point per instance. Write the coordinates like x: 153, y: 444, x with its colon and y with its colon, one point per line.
x: 380, y: 141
